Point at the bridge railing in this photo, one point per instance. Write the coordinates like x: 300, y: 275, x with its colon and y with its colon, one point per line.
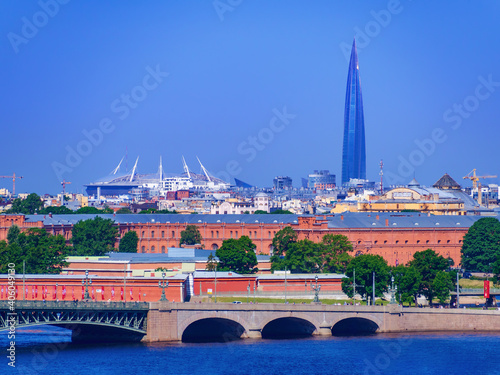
x: 72, y: 305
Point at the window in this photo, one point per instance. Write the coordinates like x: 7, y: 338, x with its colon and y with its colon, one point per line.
x: 397, y: 241
x: 153, y: 234
x: 376, y: 242
x: 152, y: 249
x: 173, y: 234
x: 215, y: 247
x: 269, y: 234
x: 143, y: 249
x: 236, y: 235
x: 162, y: 234
x: 427, y: 241
x: 255, y: 234
x: 418, y: 241
x: 231, y: 234
x: 250, y: 234
x: 406, y: 241
x: 212, y: 233
x: 385, y: 241
x: 163, y: 249
x: 448, y: 241
x: 217, y: 234
x: 142, y: 234
x: 439, y: 241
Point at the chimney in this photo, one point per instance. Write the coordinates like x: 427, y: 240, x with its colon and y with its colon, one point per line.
x: 386, y: 222
x: 377, y: 217
x: 341, y: 217
x: 50, y: 214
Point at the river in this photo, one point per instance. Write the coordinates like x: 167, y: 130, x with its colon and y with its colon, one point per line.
x: 48, y: 350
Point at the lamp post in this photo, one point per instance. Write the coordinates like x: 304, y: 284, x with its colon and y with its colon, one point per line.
x: 316, y: 290
x: 57, y: 289
x: 393, y: 292
x: 285, y: 284
x: 87, y: 282
x: 163, y: 284
x: 248, y: 292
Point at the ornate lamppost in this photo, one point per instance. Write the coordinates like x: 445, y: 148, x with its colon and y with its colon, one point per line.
x: 87, y: 282
x: 163, y: 285
x: 316, y: 290
x: 393, y: 292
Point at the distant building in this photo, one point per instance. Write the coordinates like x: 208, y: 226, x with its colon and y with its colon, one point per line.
x: 353, y: 152
x: 321, y: 180
x: 282, y: 182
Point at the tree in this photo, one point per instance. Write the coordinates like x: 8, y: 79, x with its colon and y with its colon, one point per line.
x: 56, y: 210
x: 128, y: 243
x: 88, y: 210
x: 407, y: 279
x: 260, y: 212
x: 481, y: 246
x: 237, y: 255
x: 190, y: 236
x: 211, y: 263
x: 365, y: 265
x: 335, y: 249
x: 27, y: 206
x: 123, y: 210
x: 281, y: 212
x: 13, y: 234
x: 282, y: 240
x: 428, y: 263
x: 442, y: 285
x: 303, y: 256
x: 41, y: 252
x: 94, y: 237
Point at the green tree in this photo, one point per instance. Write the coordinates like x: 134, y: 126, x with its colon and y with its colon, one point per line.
x: 303, y: 256
x: 335, y: 249
x: 56, y: 210
x: 94, y: 237
x: 442, y: 285
x: 481, y: 246
x: 88, y: 210
x: 13, y: 234
x: 237, y: 255
x: 128, y: 243
x: 281, y: 212
x: 428, y: 263
x: 260, y: 212
x: 27, y: 206
x: 365, y: 265
x: 211, y: 263
x: 123, y: 210
x: 42, y: 252
x: 283, y: 239
x: 190, y: 236
x: 407, y: 279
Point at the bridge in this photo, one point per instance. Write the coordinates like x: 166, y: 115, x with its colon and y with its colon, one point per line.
x: 88, y: 321
x: 198, y: 322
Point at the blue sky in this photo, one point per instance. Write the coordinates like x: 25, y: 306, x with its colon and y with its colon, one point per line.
x: 255, y: 89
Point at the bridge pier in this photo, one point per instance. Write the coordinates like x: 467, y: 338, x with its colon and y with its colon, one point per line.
x: 324, y: 329
x: 254, y: 333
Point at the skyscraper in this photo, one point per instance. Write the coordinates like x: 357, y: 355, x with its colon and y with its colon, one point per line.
x: 353, y: 152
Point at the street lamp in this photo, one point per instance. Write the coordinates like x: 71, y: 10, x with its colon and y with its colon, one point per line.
x: 393, y: 292
x: 163, y: 285
x: 248, y: 291
x: 87, y: 282
x: 316, y: 290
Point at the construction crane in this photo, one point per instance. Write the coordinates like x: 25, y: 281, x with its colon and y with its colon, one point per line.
x: 476, y: 185
x: 64, y: 183
x: 14, y: 177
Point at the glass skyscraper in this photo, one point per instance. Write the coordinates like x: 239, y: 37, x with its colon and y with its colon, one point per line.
x: 353, y: 152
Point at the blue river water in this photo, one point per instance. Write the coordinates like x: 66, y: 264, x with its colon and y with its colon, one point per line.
x: 48, y: 350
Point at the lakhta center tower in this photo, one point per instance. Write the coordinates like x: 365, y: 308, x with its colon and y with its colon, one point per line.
x: 353, y: 152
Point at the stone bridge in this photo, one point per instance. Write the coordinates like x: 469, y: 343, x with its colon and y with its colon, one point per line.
x: 227, y: 321
x: 194, y: 322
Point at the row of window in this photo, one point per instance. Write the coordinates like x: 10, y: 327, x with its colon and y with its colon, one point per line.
x: 269, y: 234
x: 418, y: 242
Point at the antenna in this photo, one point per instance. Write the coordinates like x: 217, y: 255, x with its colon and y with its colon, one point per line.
x: 381, y: 173
x: 186, y: 169
x: 204, y: 170
x: 133, y: 170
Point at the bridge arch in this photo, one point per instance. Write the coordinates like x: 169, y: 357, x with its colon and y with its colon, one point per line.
x: 212, y: 326
x: 361, y: 324
x: 295, y: 325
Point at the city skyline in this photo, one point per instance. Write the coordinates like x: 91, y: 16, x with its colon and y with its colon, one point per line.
x: 354, y: 148
x: 255, y: 90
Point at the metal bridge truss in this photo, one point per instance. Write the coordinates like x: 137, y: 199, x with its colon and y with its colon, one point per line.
x: 128, y: 316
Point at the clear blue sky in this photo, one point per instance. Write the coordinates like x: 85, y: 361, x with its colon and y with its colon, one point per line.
x: 207, y: 78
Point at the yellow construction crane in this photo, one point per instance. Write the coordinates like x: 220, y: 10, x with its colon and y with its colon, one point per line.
x: 476, y: 185
x: 14, y: 177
